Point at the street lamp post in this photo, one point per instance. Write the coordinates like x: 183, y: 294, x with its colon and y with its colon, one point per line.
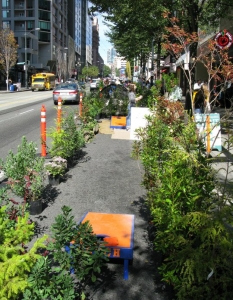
x: 26, y: 64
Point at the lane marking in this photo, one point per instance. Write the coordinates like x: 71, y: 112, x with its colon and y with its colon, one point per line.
x: 17, y: 115
x: 25, y: 112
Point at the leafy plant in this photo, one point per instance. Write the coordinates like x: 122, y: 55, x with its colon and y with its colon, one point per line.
x: 193, y: 224
x: 48, y: 282
x: 34, y: 184
x: 66, y: 141
x: 85, y: 254
x: 92, y: 107
x: 17, y: 166
x: 13, y: 209
x: 15, y: 261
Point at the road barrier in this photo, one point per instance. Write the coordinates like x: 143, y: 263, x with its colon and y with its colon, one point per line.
x: 80, y: 104
x: 43, y: 130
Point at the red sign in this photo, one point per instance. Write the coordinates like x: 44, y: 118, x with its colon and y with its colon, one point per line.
x: 224, y: 39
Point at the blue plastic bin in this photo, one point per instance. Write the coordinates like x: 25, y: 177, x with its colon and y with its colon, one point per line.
x: 12, y: 88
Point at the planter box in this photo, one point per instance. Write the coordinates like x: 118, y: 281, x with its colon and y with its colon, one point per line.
x: 118, y: 122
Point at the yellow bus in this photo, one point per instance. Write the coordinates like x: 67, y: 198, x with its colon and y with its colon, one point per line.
x: 43, y: 82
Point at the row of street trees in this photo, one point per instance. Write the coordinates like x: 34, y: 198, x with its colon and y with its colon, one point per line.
x: 93, y: 71
x: 134, y: 26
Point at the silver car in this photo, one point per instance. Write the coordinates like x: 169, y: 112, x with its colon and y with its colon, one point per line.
x: 68, y: 92
x: 94, y: 84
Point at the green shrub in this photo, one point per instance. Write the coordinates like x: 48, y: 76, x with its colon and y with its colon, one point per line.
x: 193, y: 226
x: 50, y: 277
x: 66, y: 141
x: 18, y: 165
x: 15, y: 261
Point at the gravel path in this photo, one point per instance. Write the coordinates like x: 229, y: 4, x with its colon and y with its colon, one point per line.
x: 106, y: 179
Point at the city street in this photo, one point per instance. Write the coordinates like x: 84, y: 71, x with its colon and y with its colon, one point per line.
x: 20, y: 116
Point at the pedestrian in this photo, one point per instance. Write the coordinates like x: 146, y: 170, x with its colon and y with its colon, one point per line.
x: 132, y: 103
x: 199, y: 100
x: 148, y: 84
x: 197, y: 85
x: 9, y: 83
x: 188, y: 103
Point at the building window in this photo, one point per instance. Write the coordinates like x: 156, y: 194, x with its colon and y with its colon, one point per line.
x: 44, y: 25
x: 44, y: 36
x: 6, y: 13
x: 5, y: 4
x: 6, y: 24
x: 44, y: 15
x: 30, y: 3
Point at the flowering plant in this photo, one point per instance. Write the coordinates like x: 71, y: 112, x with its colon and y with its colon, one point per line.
x: 56, y: 166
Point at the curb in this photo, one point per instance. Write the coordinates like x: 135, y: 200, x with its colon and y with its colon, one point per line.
x: 8, y: 92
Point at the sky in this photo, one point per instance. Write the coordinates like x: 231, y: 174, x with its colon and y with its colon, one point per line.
x: 104, y: 43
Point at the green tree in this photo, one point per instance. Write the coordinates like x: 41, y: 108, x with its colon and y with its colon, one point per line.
x: 8, y: 51
x: 90, y: 71
x: 134, y: 24
x: 106, y: 71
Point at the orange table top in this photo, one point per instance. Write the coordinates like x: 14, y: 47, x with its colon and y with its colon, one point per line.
x: 118, y: 121
x: 120, y: 226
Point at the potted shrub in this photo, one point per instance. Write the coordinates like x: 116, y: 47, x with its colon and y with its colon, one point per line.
x: 34, y: 188
x: 68, y: 140
x: 17, y: 165
x: 55, y: 169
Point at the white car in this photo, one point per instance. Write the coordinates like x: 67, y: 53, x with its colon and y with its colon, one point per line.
x: 94, y: 84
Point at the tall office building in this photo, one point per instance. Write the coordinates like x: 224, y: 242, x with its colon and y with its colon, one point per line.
x: 95, y: 41
x: 111, y: 54
x: 42, y: 27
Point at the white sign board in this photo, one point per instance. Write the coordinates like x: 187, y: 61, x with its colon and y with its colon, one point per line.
x: 138, y: 120
x: 215, y: 130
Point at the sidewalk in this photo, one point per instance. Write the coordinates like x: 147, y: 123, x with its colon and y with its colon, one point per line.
x: 23, y: 89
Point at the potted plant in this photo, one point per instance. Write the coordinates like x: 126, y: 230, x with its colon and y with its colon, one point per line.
x: 67, y: 141
x: 55, y: 169
x: 17, y: 165
x: 34, y: 187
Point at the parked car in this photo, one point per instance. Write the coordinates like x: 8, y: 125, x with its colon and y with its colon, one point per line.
x: 94, y: 84
x: 69, y: 92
